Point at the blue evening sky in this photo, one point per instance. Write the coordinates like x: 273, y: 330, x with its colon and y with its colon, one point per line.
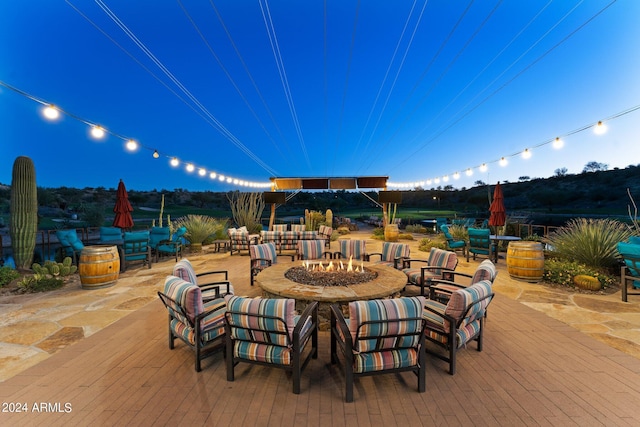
x: 415, y: 90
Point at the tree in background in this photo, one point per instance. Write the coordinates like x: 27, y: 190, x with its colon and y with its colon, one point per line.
x: 595, y: 167
x: 560, y: 172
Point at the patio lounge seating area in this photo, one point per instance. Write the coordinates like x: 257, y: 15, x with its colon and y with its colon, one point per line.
x: 124, y: 373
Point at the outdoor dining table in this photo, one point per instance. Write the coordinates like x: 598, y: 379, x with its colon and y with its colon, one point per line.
x: 496, y: 238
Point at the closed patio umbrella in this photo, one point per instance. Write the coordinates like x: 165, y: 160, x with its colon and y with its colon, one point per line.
x: 497, y: 217
x: 122, y: 208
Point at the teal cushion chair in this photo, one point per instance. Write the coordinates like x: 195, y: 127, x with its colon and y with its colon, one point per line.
x: 634, y: 240
x: 630, y: 271
x: 480, y: 243
x: 453, y: 244
x: 197, y: 323
x: 136, y: 249
x: 156, y: 236
x: 266, y: 331
x: 110, y: 235
x: 70, y: 244
x: 457, y: 323
x: 172, y: 247
x: 381, y: 336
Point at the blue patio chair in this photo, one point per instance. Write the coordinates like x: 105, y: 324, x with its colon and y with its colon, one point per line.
x: 453, y: 244
x: 110, y: 235
x: 630, y: 271
x: 156, y: 236
x: 136, y: 249
x: 172, y: 247
x: 480, y: 243
x: 70, y: 244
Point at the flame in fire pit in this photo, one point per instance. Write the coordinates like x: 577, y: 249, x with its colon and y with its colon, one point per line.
x: 340, y: 266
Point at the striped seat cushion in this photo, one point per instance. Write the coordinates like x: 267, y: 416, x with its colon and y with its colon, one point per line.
x: 485, y: 271
x: 184, y: 270
x: 262, y: 252
x: 185, y: 294
x: 383, y: 360
x: 391, y: 251
x: 212, y: 325
x: 390, y: 317
x: 269, y: 236
x: 288, y: 239
x: 352, y: 248
x: 442, y: 258
x: 310, y: 249
x: 307, y: 235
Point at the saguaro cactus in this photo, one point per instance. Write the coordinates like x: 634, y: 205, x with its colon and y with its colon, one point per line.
x: 24, y: 212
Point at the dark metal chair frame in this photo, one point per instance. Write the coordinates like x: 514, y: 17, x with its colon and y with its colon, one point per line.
x: 627, y: 279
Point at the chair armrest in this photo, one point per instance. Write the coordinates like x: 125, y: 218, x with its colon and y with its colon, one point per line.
x: 293, y: 257
x: 216, y: 287
x: 338, y: 324
x: 325, y: 253
x: 374, y: 253
x: 310, y: 312
x: 205, y: 313
x: 206, y: 273
x: 406, y: 262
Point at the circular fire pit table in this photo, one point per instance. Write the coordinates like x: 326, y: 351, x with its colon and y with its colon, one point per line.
x: 274, y: 284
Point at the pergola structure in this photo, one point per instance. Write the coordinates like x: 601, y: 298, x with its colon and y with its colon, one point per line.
x: 328, y: 183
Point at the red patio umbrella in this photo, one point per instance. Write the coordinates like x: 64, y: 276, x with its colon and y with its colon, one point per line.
x: 122, y: 208
x: 498, y: 215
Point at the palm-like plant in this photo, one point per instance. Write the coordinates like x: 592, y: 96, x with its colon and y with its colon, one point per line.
x: 592, y: 242
x: 200, y: 227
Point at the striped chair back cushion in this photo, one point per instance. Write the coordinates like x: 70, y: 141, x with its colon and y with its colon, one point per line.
x: 185, y: 294
x: 325, y: 231
x: 310, y: 249
x: 184, y: 270
x: 473, y: 296
x: 352, y: 248
x: 261, y: 320
x: 263, y: 251
x: 269, y: 236
x: 442, y: 258
x: 307, y: 235
x: 389, y: 318
x: 391, y: 251
x: 279, y: 227
x: 485, y: 271
x: 298, y: 227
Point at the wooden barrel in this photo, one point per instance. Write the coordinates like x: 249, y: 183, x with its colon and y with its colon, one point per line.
x: 391, y: 233
x: 99, y: 266
x: 525, y: 261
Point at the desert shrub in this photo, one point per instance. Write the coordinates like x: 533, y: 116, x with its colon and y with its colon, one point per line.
x: 378, y: 233
x: 405, y: 236
x: 343, y: 230
x: 592, y: 242
x: 7, y: 274
x: 459, y: 232
x: 31, y: 284
x: 200, y: 227
x: 416, y: 228
x: 562, y: 272
x: 426, y: 244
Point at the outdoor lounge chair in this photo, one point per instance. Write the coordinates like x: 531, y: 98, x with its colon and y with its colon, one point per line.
x: 262, y: 256
x: 213, y: 284
x: 172, y: 247
x: 71, y: 245
x: 239, y: 239
x: 198, y: 324
x: 630, y: 271
x: 355, y: 249
x: 110, y: 235
x: 324, y: 233
x: 136, y: 249
x: 441, y: 289
x: 455, y: 324
x: 381, y: 336
x: 267, y: 332
x: 438, y: 266
x: 480, y: 243
x: 453, y: 244
x: 158, y: 236
x: 393, y: 254
x: 311, y: 250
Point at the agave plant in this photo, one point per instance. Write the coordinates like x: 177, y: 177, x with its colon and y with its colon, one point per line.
x: 592, y: 242
x: 199, y: 227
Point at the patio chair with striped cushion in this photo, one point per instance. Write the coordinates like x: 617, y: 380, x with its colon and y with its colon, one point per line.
x: 312, y: 249
x: 438, y: 266
x: 198, y: 324
x: 266, y: 331
x: 393, y: 254
x: 381, y: 336
x: 262, y: 256
x: 441, y: 289
x: 212, y: 284
x: 352, y: 248
x: 460, y: 321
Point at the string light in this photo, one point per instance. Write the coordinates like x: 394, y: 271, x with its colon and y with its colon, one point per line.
x: 469, y: 172
x: 202, y: 172
x: 132, y: 145
x: 212, y: 175
x: 483, y: 167
x: 174, y: 162
x: 50, y: 112
x: 190, y: 167
x: 445, y: 178
x: 97, y: 132
x: 156, y: 154
x: 526, y: 154
x: 503, y: 162
x: 600, y: 128
x: 558, y: 143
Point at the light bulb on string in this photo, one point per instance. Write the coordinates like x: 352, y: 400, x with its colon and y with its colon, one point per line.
x: 190, y: 167
x: 503, y: 162
x: 437, y: 180
x: 456, y: 175
x: 131, y: 145
x: 174, y: 162
x: 221, y: 177
x: 558, y: 143
x: 445, y: 178
x: 526, y: 154
x: 469, y: 172
x: 483, y: 167
x: 202, y: 172
x: 97, y: 132
x: 212, y: 175
x: 156, y: 154
x: 600, y: 128
x: 229, y: 180
x: 50, y: 112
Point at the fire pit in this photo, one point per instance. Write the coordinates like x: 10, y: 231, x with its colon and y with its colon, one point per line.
x: 330, y: 274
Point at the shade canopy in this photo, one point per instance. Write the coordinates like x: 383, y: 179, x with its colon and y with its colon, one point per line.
x: 122, y: 209
x: 323, y: 183
x: 497, y: 217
